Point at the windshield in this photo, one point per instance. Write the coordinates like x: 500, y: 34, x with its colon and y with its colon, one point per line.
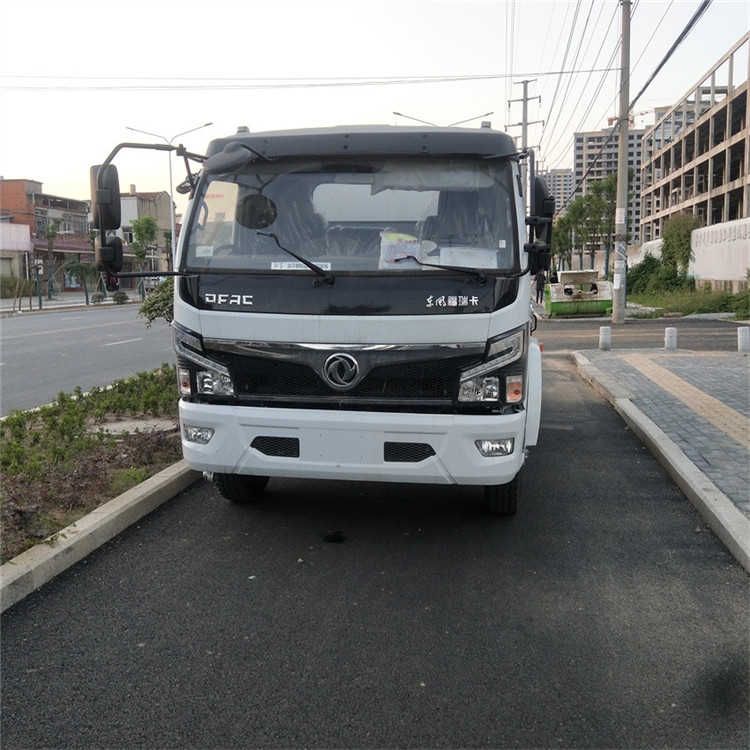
x: 386, y: 216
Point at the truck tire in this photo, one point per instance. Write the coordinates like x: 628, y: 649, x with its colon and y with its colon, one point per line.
x: 502, y: 499
x: 240, y: 488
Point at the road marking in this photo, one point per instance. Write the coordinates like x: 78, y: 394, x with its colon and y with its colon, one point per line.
x: 728, y: 420
x: 48, y: 332
x: 126, y: 341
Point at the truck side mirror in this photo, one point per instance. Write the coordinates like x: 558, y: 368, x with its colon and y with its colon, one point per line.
x: 108, y: 254
x: 105, y: 197
x: 544, y: 210
x: 540, y: 241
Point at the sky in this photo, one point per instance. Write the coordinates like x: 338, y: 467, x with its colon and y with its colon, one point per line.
x: 75, y: 75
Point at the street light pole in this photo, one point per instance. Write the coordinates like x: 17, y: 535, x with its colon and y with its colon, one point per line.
x: 171, y: 192
x: 452, y: 125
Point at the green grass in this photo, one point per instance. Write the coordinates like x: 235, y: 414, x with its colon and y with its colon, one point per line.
x: 694, y: 302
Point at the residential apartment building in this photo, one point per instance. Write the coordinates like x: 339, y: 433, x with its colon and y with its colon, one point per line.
x: 696, y: 157
x: 560, y: 183
x: 595, y: 158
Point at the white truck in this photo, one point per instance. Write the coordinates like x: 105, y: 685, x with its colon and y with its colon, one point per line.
x: 354, y: 303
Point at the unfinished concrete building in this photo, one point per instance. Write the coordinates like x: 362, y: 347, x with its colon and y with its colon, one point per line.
x: 696, y: 158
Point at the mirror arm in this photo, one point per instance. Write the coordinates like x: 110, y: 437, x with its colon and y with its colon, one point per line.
x: 103, y: 166
x: 120, y: 146
x: 187, y: 156
x: 147, y: 274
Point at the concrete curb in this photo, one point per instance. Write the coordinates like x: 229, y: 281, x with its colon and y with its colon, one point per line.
x: 40, y: 564
x: 719, y: 512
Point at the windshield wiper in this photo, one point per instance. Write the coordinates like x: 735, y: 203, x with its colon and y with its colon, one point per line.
x: 327, y: 277
x: 480, y: 276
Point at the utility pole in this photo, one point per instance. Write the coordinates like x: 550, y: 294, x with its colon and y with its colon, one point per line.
x: 619, y: 291
x: 524, y: 124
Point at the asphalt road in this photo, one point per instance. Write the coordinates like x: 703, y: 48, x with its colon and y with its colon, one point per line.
x: 604, y: 614
x: 45, y: 353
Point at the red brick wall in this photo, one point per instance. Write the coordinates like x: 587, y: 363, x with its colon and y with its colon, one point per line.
x: 13, y: 201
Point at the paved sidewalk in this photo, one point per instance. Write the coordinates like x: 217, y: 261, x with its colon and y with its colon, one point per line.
x: 58, y: 301
x: 692, y: 410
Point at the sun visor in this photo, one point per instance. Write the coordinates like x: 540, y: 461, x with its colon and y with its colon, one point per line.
x: 426, y: 176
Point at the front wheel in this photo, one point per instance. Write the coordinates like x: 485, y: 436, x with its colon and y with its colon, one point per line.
x: 240, y: 488
x: 502, y: 499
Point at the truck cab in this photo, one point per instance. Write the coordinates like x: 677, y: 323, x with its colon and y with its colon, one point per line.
x: 354, y: 303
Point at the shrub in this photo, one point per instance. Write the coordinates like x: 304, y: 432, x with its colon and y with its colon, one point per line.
x: 119, y: 297
x: 640, y: 275
x: 97, y: 298
x: 11, y: 286
x: 160, y: 303
x: 57, y: 465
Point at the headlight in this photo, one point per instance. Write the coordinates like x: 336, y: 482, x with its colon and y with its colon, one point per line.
x: 196, y: 373
x: 214, y: 383
x: 479, y: 389
x: 485, y: 383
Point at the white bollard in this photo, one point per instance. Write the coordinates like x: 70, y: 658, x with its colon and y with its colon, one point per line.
x: 670, y: 339
x: 743, y: 339
x: 605, y: 338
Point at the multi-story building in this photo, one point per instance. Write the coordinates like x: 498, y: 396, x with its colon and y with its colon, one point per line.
x: 135, y: 205
x: 697, y: 155
x: 22, y: 202
x: 560, y: 184
x: 24, y: 206
x: 595, y: 158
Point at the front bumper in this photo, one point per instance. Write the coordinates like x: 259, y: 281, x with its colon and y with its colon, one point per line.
x: 353, y: 445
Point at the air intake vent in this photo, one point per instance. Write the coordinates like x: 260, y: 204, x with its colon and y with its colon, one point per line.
x: 276, y: 446
x: 407, y: 453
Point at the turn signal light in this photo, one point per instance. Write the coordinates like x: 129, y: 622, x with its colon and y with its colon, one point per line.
x: 513, y: 389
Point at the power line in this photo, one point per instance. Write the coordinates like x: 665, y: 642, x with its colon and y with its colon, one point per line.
x: 691, y: 23
x: 683, y: 34
x: 592, y: 99
x: 616, y: 127
x: 200, y: 84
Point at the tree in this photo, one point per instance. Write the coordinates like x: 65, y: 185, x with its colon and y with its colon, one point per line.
x: 168, y: 247
x: 144, y: 234
x: 576, y: 216
x: 561, y: 241
x: 50, y: 235
x: 81, y: 272
x: 594, y: 210
x: 675, y: 245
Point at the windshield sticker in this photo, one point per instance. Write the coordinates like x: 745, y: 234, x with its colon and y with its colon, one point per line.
x: 395, y: 247
x: 293, y: 265
x: 204, y: 251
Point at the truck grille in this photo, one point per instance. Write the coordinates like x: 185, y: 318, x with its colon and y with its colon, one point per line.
x: 282, y: 379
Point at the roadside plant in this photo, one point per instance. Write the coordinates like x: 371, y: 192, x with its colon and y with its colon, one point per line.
x: 159, y: 304
x: 58, y: 463
x: 144, y: 234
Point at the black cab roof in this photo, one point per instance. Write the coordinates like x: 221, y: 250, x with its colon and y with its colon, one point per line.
x: 371, y: 140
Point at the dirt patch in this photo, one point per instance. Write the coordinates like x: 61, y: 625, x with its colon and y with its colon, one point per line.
x: 35, y: 508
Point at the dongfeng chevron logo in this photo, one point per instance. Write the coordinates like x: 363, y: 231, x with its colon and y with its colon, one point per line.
x: 341, y: 370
